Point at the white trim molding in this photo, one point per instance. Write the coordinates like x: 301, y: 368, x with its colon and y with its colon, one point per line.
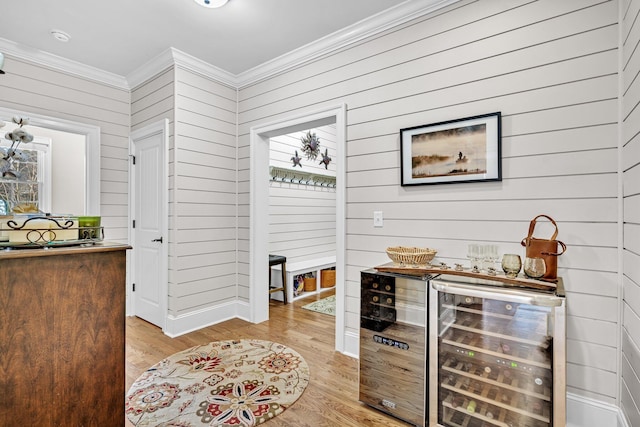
x: 585, y: 412
x: 258, y: 201
x: 376, y: 24
x: 64, y: 65
x: 351, y: 344
x: 172, y: 56
x: 195, y: 320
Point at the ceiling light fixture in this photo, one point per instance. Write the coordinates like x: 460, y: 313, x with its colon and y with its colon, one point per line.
x: 61, y: 36
x: 211, y: 3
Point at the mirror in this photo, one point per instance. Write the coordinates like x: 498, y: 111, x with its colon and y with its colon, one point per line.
x: 78, y: 143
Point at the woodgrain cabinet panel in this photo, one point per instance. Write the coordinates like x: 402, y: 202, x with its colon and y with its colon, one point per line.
x: 62, y: 336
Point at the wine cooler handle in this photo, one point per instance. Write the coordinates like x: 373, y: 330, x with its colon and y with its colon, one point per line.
x: 502, y: 294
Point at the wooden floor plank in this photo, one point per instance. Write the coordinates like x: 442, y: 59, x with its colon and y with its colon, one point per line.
x: 330, y: 400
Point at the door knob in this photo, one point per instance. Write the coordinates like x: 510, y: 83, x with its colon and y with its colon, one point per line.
x: 158, y: 239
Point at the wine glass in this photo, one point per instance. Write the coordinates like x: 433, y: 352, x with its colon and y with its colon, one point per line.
x: 511, y: 265
x: 491, y: 255
x: 474, y: 255
x: 534, y: 268
x: 482, y: 256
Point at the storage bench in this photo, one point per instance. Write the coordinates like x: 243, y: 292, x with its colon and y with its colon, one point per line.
x: 294, y: 269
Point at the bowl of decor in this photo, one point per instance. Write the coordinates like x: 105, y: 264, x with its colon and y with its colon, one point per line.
x: 406, y: 256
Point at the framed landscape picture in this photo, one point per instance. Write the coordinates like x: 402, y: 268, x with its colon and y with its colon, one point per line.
x: 462, y: 150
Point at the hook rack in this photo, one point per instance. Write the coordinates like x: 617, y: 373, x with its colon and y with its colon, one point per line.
x: 298, y: 177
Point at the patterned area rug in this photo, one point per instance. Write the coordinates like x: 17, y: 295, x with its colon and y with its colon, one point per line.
x: 224, y: 383
x: 326, y: 306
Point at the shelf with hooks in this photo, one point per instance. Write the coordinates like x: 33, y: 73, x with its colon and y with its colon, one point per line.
x: 277, y: 174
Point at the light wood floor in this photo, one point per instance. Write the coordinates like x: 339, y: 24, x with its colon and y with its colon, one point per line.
x: 331, y: 399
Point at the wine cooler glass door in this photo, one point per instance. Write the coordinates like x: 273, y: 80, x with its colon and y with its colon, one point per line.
x: 494, y: 354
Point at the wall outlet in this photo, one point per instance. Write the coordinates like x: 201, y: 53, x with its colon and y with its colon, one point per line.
x: 377, y: 219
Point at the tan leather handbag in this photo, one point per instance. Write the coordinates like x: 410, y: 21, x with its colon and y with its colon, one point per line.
x: 547, y: 249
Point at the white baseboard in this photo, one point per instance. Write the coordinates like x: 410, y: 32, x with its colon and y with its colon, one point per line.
x: 183, y: 324
x: 351, y: 344
x: 585, y: 412
x: 243, y: 309
x: 622, y: 421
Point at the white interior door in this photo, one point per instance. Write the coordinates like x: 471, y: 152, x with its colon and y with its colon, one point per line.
x: 149, y: 223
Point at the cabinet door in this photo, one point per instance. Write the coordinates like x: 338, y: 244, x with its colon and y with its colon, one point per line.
x: 494, y: 360
x: 62, y: 339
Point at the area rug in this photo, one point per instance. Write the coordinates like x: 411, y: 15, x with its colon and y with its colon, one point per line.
x: 325, y: 306
x: 224, y: 383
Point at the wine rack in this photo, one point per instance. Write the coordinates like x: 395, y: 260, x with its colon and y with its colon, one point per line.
x: 497, y: 356
x: 377, y: 302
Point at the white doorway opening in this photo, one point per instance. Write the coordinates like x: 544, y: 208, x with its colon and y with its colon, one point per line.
x: 259, y: 203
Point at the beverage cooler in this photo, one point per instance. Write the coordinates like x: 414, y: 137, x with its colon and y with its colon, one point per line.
x: 496, y: 355
x: 393, y: 352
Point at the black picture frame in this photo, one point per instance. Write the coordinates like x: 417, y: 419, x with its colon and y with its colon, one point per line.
x: 453, y: 151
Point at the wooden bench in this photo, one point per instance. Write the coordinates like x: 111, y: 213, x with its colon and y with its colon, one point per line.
x: 308, y: 266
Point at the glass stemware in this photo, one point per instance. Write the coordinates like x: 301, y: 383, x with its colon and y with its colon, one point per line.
x: 482, y: 257
x: 511, y: 265
x: 534, y: 268
x: 490, y: 256
x: 474, y: 256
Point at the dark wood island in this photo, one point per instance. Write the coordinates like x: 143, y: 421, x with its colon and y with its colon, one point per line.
x: 62, y: 336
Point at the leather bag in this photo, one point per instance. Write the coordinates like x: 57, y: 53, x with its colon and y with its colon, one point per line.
x: 547, y: 249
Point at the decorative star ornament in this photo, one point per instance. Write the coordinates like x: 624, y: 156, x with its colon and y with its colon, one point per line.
x: 325, y: 159
x: 296, y: 160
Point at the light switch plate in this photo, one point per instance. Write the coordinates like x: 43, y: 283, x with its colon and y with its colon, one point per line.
x: 378, y: 221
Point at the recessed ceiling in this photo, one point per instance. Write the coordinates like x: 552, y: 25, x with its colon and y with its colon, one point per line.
x: 119, y: 36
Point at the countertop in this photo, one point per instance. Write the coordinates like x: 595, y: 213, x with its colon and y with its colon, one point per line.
x: 104, y: 246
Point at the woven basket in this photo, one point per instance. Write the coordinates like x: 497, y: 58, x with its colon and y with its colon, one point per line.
x: 411, y: 256
x: 309, y: 284
x: 327, y: 278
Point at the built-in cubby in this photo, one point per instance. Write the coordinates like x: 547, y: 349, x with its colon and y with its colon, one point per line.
x: 296, y: 269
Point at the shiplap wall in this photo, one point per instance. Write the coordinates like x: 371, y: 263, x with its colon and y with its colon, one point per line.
x: 37, y: 89
x: 630, y: 366
x: 202, y: 186
x: 551, y: 68
x: 202, y: 270
x: 302, y: 218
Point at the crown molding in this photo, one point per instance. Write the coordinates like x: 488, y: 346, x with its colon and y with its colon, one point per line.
x: 196, y: 65
x: 383, y: 21
x: 173, y: 56
x: 151, y: 68
x: 375, y: 24
x: 58, y: 63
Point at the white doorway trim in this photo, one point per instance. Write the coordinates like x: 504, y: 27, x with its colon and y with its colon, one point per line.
x: 259, y: 203
x: 159, y: 127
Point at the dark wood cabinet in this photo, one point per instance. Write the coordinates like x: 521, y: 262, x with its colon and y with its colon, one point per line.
x: 62, y: 335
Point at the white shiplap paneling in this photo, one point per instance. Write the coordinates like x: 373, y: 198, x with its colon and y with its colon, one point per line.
x: 37, y: 89
x: 203, y: 268
x: 551, y: 69
x: 630, y: 372
x: 549, y: 66
x: 302, y: 218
